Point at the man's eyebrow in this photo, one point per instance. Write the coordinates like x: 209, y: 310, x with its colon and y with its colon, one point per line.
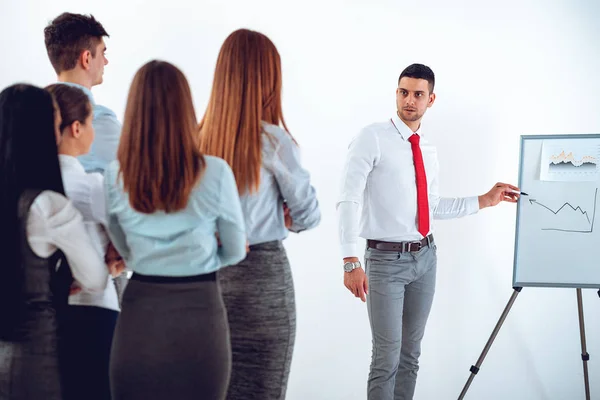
x: 416, y: 91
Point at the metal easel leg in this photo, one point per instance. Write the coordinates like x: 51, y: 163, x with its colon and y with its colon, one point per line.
x: 584, y: 354
x: 475, y: 368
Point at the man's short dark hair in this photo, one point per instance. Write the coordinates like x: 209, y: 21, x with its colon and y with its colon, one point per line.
x: 70, y: 34
x: 419, y: 71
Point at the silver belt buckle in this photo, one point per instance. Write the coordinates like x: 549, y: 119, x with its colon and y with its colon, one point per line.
x: 408, y: 246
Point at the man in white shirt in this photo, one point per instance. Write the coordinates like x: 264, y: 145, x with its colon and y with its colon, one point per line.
x: 393, y: 171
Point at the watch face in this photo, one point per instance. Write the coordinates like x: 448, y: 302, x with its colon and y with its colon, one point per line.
x: 351, y: 266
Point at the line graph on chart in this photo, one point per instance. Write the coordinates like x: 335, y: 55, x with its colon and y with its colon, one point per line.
x: 569, y: 162
x: 570, y: 218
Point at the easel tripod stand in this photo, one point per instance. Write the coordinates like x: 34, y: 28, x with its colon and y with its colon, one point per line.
x: 584, y: 354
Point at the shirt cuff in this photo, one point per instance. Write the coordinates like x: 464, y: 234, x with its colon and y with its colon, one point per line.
x: 349, y: 250
x: 472, y: 205
x: 296, y: 228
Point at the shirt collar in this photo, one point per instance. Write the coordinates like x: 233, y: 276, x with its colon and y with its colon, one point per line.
x: 403, y: 129
x: 87, y: 91
x: 70, y: 163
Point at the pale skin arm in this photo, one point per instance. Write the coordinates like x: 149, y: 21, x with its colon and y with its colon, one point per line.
x: 357, y: 282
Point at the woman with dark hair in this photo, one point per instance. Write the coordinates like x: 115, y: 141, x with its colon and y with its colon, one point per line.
x: 41, y: 232
x: 166, y: 203
x: 244, y: 125
x: 89, y: 321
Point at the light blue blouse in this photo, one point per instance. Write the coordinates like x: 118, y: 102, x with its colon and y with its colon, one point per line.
x: 180, y: 243
x: 282, y: 178
x: 107, y: 135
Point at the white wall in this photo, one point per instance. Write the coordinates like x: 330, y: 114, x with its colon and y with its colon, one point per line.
x: 511, y: 68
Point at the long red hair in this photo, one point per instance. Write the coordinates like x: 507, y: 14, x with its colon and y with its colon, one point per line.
x: 246, y: 90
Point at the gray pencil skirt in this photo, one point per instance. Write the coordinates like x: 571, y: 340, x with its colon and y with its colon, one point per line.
x: 171, y: 341
x: 261, y: 308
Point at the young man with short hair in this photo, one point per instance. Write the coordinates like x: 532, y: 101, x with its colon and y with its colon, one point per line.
x: 76, y: 49
x: 392, y: 169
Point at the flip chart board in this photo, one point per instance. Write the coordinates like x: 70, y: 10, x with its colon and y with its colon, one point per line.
x: 557, y: 241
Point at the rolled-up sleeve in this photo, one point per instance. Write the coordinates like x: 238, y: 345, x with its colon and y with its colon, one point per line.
x: 294, y: 183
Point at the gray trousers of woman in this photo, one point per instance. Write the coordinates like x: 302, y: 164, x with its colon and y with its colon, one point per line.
x: 259, y: 297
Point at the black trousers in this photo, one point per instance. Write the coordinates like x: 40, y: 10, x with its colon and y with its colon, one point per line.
x: 87, y: 334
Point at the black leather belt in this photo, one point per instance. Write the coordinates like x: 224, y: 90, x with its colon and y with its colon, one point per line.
x: 210, y: 277
x: 400, y: 247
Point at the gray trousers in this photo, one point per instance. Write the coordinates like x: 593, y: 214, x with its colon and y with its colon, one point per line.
x: 401, y: 288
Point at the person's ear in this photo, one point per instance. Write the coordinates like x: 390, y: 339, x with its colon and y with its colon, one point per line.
x: 431, y: 100
x: 85, y: 58
x: 75, y: 129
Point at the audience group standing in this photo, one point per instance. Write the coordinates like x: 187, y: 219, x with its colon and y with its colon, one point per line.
x: 166, y: 198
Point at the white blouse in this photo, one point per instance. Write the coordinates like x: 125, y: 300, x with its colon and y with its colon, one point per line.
x: 86, y: 193
x: 54, y: 224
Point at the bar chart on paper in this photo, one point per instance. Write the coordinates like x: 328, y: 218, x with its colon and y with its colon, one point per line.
x: 557, y: 235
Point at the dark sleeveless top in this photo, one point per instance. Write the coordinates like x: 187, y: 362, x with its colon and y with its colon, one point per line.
x: 29, y: 362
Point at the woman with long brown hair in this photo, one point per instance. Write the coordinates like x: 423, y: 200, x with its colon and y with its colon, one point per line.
x: 244, y: 125
x: 166, y: 201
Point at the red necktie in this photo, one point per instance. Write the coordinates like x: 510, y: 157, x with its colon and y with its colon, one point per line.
x: 421, y: 179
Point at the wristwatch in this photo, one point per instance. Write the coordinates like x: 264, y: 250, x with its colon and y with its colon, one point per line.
x: 351, y: 266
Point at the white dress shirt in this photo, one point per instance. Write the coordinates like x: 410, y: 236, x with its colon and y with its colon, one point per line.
x: 86, y: 191
x: 379, y: 174
x: 54, y: 223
